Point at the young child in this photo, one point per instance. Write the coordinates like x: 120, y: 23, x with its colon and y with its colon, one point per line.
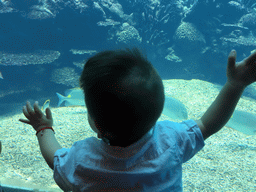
x: 124, y: 96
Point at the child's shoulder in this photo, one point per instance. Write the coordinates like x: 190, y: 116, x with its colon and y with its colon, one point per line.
x: 171, y: 128
x: 176, y: 125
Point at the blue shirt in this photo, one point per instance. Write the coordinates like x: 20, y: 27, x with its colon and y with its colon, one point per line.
x: 154, y: 163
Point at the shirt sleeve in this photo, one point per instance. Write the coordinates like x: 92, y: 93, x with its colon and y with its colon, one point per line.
x: 59, y: 158
x: 190, y: 140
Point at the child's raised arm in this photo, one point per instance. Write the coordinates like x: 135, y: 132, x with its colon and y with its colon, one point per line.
x: 47, y: 141
x: 239, y: 75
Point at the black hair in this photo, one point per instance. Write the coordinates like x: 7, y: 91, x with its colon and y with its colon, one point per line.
x: 124, y: 95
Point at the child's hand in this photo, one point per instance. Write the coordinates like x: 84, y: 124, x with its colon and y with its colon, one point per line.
x: 242, y: 73
x: 36, y: 118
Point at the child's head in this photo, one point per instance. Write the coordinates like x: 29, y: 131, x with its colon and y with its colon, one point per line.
x: 124, y: 95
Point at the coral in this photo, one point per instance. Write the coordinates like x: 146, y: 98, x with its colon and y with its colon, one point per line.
x: 248, y: 20
x: 5, y: 7
x: 250, y: 4
x: 250, y: 40
x: 82, y: 52
x: 40, y: 12
x: 188, y: 38
x: 108, y: 22
x: 155, y: 20
x: 37, y: 57
x: 126, y: 34
x: 172, y: 57
x: 117, y: 9
x: 79, y: 64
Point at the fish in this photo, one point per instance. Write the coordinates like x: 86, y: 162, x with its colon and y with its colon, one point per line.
x: 1, y: 76
x: 73, y: 96
x: 244, y: 122
x: 45, y: 105
x: 253, y: 51
x: 175, y: 109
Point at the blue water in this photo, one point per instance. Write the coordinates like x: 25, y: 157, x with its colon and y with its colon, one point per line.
x: 27, y: 26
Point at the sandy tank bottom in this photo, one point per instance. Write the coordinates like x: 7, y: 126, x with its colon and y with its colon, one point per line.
x: 226, y: 163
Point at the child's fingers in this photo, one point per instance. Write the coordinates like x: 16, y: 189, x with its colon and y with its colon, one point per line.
x: 251, y: 59
x: 29, y: 108
x: 24, y: 121
x: 37, y: 109
x: 25, y: 112
x: 48, y: 113
x: 232, y: 59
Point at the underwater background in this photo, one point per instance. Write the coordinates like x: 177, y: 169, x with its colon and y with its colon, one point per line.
x: 45, y: 43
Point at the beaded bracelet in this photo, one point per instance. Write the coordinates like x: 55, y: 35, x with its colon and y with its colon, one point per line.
x: 44, y: 129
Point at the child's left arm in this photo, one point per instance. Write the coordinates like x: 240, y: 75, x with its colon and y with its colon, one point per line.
x: 47, y: 141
